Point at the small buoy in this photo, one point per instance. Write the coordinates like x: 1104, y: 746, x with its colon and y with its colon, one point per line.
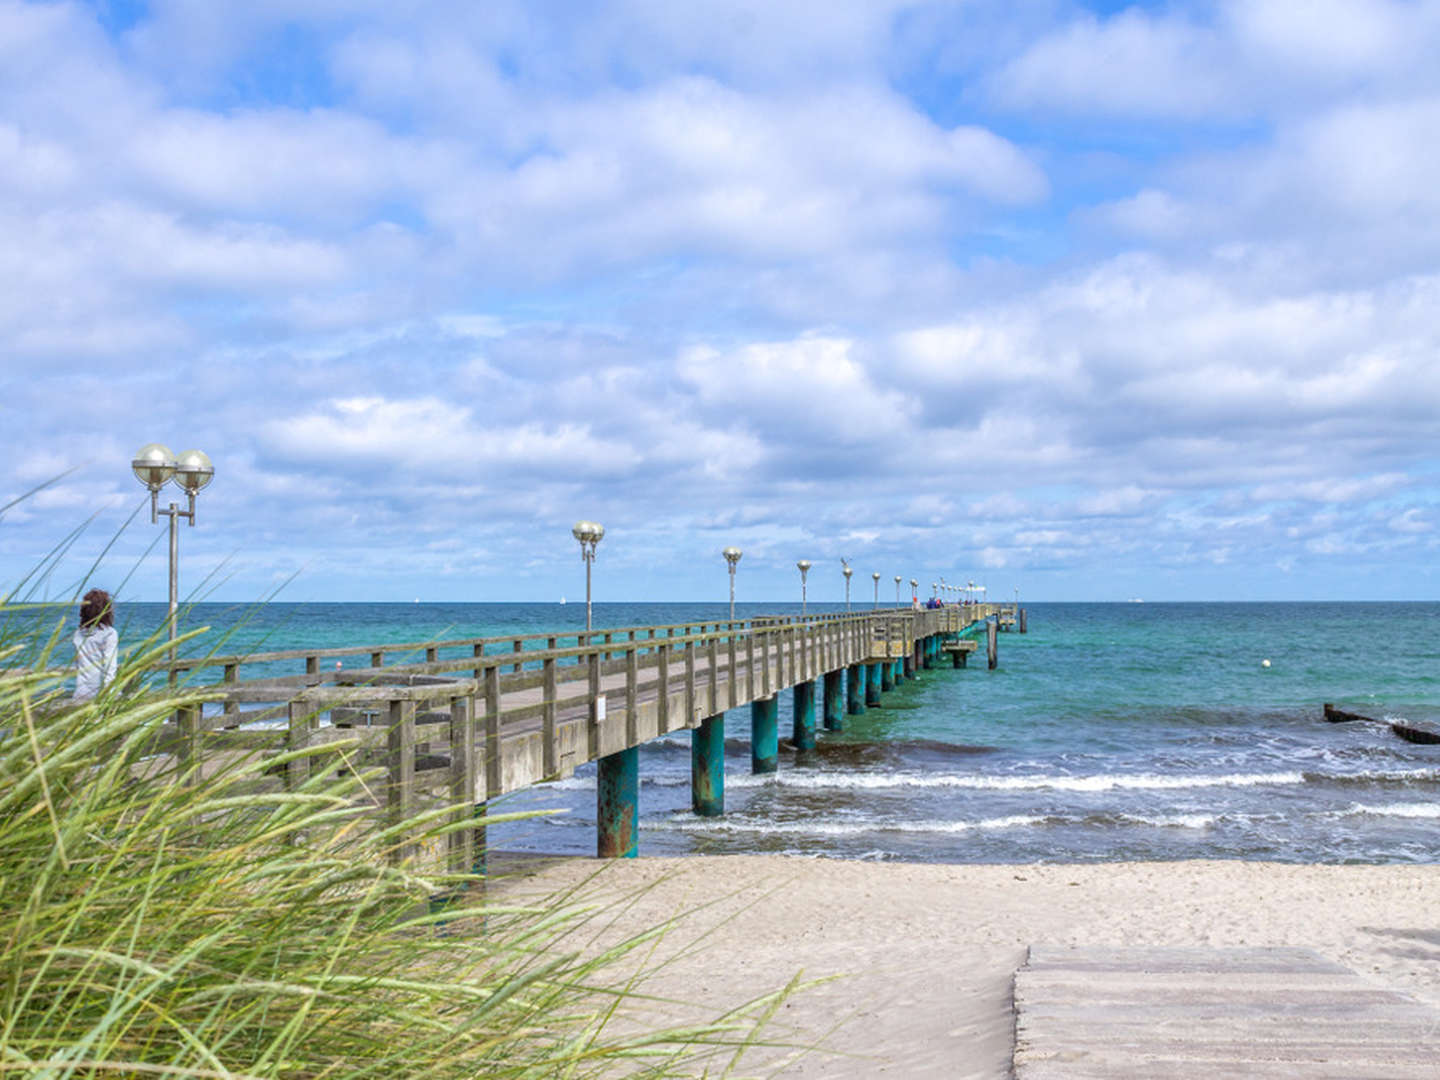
x: 1264, y: 663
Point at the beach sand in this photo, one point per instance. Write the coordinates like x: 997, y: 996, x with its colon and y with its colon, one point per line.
x: 925, y: 954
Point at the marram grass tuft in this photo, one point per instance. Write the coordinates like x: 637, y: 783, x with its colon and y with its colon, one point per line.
x: 158, y: 924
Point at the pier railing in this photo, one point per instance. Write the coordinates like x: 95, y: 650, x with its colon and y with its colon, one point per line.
x: 501, y: 713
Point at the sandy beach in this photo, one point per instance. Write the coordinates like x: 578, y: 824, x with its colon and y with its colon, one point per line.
x: 919, y: 958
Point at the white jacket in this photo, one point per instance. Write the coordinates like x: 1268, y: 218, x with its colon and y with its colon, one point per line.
x: 96, y: 651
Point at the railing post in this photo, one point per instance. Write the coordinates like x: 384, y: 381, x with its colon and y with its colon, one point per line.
x: 467, y: 846
x: 597, y: 708
x: 400, y: 778
x: 550, y: 749
x: 493, y: 776
x: 662, y: 707
x: 301, y: 719
x: 632, y: 695
x: 691, y: 719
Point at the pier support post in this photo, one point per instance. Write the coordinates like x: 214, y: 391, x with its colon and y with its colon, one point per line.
x: 835, y: 700
x: 1022, y: 621
x: 957, y: 659
x: 855, y: 689
x: 930, y: 652
x: 765, y: 735
x: 872, y: 684
x: 992, y: 643
x: 910, y: 662
x: 707, y: 767
x: 887, y: 675
x: 617, y: 805
x: 803, y: 735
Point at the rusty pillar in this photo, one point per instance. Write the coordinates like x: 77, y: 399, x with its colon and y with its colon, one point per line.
x: 617, y: 805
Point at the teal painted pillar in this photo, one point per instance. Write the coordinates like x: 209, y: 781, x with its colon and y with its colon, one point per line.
x: 617, y: 805
x: 707, y: 767
x: 855, y: 689
x: 803, y: 735
x: 887, y: 675
x: 872, y: 685
x: 930, y: 652
x: 765, y: 735
x: 899, y: 672
x: 835, y: 700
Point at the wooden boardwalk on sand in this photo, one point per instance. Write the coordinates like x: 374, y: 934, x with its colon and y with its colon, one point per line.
x: 1206, y: 1014
x: 481, y: 717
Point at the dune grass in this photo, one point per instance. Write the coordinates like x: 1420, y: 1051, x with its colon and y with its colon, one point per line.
x: 155, y: 922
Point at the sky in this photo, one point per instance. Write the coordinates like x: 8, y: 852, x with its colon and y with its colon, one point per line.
x: 1088, y: 301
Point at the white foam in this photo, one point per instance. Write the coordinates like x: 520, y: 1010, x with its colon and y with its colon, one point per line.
x: 692, y: 823
x: 1400, y: 810
x: 1102, y: 782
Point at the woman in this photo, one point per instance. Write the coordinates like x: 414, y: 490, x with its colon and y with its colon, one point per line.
x: 97, y: 645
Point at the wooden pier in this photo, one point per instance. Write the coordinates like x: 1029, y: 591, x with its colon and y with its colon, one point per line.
x: 480, y: 717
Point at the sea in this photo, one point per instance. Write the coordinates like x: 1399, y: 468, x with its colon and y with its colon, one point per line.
x: 1110, y: 731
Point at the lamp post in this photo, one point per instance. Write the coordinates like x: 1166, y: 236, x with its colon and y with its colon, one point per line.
x: 847, y: 571
x: 897, y: 592
x: 914, y: 591
x: 732, y: 556
x: 589, y: 533
x: 153, y: 465
x: 876, y: 605
x: 804, y: 567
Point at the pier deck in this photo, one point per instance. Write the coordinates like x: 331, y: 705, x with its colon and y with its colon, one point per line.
x: 478, y: 718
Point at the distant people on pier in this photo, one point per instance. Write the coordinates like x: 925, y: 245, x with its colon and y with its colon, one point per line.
x: 97, y: 645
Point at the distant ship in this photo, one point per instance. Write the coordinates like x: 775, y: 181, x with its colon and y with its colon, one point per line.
x: 1135, y: 600
x: 562, y: 599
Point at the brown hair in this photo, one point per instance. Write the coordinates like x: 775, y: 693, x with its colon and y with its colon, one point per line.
x: 96, y: 609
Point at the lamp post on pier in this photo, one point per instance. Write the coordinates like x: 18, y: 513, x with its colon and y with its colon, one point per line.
x: 876, y: 605
x: 589, y: 533
x: 914, y: 592
x: 153, y: 465
x: 897, y: 592
x: 847, y: 571
x: 732, y: 556
x: 804, y: 567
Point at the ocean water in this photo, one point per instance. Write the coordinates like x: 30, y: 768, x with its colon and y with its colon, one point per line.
x: 1108, y: 732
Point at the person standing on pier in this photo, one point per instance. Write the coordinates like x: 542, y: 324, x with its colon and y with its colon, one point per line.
x: 97, y: 645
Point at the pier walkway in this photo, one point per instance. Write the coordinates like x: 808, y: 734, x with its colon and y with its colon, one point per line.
x: 480, y: 717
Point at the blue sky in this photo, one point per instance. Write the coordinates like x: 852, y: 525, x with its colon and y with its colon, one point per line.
x: 1096, y: 301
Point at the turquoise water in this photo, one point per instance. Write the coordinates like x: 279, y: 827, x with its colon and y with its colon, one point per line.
x: 1110, y: 731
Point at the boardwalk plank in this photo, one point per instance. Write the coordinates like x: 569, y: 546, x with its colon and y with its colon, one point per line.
x: 1213, y: 1013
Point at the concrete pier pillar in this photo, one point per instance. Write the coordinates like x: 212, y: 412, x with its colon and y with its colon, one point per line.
x: 617, y: 805
x: 707, y: 767
x: 910, y: 663
x: 930, y: 652
x: 803, y: 735
x: 855, y: 689
x: 872, y: 684
x: 835, y: 700
x: 887, y: 675
x: 1022, y: 621
x: 992, y: 643
x: 765, y: 735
